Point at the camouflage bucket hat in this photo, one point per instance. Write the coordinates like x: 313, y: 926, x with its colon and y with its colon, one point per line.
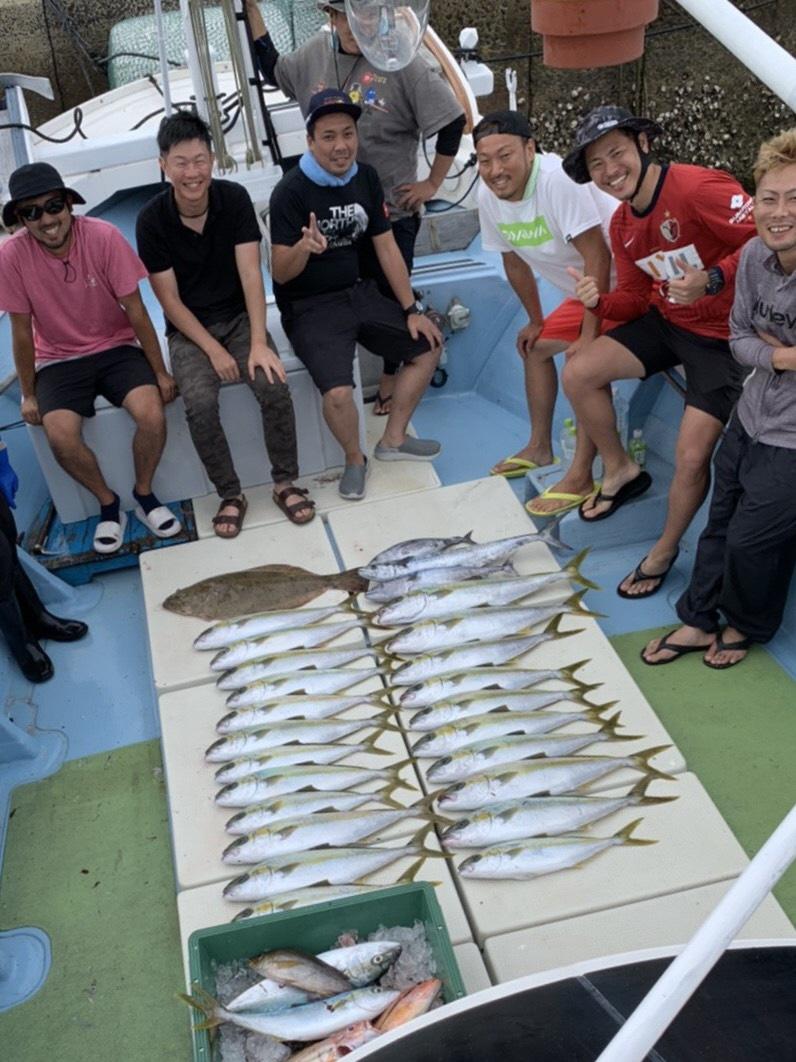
x: 596, y: 124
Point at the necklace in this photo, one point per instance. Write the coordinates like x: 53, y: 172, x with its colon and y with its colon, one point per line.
x: 350, y: 73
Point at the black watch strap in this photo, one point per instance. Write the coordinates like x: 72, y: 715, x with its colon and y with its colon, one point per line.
x: 415, y: 307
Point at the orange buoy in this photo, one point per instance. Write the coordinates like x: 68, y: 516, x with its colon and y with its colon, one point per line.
x: 580, y: 34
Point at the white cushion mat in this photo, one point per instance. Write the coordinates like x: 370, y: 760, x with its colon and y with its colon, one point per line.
x: 175, y: 663
x: 188, y: 719
x: 471, y: 966
x: 659, y: 922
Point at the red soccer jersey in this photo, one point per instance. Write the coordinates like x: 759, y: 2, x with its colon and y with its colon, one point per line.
x: 693, y: 210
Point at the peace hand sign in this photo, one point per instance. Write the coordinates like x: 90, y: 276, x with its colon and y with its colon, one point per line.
x: 312, y: 238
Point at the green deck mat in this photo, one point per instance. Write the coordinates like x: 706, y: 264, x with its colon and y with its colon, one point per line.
x: 737, y: 731
x: 88, y: 860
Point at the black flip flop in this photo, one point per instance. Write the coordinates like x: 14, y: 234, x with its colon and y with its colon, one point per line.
x: 639, y: 575
x: 742, y: 644
x: 636, y: 486
x: 671, y: 647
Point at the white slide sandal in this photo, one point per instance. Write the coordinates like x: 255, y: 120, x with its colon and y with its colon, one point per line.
x: 161, y: 521
x: 109, y: 534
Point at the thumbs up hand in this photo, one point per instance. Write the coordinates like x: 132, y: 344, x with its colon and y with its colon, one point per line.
x: 585, y: 288
x: 690, y: 286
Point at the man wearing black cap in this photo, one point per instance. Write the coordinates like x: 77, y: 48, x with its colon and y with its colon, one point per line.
x: 79, y: 330
x: 676, y: 238
x: 398, y: 108
x: 539, y: 221
x: 320, y: 211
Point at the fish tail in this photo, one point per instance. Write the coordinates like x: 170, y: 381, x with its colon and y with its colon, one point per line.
x: 202, y: 1000
x: 551, y: 536
x: 398, y: 782
x: 573, y: 571
x: 596, y: 710
x: 612, y: 724
x: 645, y: 757
x: 468, y: 539
x: 425, y: 806
x: 569, y: 672
x: 624, y: 835
x: 419, y: 838
x: 350, y: 581
x: 574, y: 603
x: 553, y: 628
x: 382, y: 720
x: 639, y: 793
x: 408, y: 875
x: 386, y: 796
x: 372, y: 747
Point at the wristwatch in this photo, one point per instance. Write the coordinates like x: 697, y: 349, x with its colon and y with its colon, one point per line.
x: 715, y: 282
x: 415, y: 307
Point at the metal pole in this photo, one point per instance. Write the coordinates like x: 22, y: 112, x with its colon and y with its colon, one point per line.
x: 766, y: 59
x: 164, y: 63
x: 674, y: 988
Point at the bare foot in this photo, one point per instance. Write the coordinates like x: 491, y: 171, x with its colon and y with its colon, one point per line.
x: 656, y: 565
x: 721, y: 653
x: 687, y: 639
x: 610, y: 487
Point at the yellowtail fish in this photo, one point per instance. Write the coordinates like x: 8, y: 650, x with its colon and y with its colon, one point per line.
x: 288, y: 901
x: 358, y: 964
x: 297, y: 707
x: 288, y: 755
x: 292, y: 805
x: 553, y: 776
x: 410, y: 1004
x: 485, y: 755
x: 340, y: 1045
x: 516, y: 820
x: 430, y: 578
x: 280, y: 642
x: 313, y: 731
x: 420, y: 547
x: 450, y: 687
x: 305, y: 682
x: 510, y: 714
x: 477, y: 555
x: 231, y: 631
x: 299, y: 969
x: 482, y: 624
x: 286, y: 663
x: 456, y: 598
x: 544, y: 855
x: 281, y: 780
x: 336, y: 866
x: 302, y: 833
x: 312, y: 1021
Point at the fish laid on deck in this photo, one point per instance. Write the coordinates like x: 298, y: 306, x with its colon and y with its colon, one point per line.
x: 451, y: 737
x: 475, y: 679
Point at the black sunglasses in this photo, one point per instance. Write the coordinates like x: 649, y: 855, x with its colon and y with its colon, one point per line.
x: 33, y: 213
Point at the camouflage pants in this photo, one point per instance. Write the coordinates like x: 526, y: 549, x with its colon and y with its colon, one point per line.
x: 199, y: 385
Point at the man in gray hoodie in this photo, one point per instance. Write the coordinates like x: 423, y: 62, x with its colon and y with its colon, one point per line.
x: 747, y: 552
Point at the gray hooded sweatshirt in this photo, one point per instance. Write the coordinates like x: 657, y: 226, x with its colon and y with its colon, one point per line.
x: 765, y: 301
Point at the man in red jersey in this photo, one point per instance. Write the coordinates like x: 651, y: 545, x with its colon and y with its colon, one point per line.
x: 676, y: 239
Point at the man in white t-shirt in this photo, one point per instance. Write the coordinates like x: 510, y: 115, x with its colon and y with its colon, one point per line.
x: 542, y: 222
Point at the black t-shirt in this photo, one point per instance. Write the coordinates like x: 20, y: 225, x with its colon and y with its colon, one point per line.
x: 345, y: 215
x: 204, y: 263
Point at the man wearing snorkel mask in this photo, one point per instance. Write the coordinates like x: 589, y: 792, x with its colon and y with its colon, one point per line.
x: 398, y: 108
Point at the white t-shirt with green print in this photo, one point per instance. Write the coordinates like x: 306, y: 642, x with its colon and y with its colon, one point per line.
x: 540, y: 227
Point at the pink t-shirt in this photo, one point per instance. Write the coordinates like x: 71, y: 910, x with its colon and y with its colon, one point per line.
x: 74, y: 301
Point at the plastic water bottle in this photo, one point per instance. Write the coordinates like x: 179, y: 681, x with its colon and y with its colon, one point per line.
x: 569, y: 439
x: 622, y: 411
x: 638, y: 448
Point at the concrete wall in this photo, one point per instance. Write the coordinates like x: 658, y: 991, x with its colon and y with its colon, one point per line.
x: 714, y: 112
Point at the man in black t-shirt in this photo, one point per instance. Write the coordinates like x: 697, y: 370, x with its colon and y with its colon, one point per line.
x: 320, y: 211
x: 200, y: 241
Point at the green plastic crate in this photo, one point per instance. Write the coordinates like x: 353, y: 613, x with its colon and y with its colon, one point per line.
x: 316, y: 929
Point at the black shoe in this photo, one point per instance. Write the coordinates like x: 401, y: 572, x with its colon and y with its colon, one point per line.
x: 37, y: 619
x: 31, y: 659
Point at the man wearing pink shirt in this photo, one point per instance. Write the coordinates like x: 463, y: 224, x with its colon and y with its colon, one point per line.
x: 80, y: 329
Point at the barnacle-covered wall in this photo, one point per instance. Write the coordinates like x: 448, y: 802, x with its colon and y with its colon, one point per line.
x: 714, y: 112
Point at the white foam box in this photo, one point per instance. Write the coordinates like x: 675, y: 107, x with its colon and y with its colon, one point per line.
x: 175, y: 663
x: 188, y: 719
x: 490, y: 509
x: 472, y: 968
x: 386, y: 479
x: 662, y: 921
x: 694, y: 847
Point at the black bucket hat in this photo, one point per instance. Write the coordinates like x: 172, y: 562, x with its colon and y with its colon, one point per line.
x: 597, y: 123
x: 31, y: 180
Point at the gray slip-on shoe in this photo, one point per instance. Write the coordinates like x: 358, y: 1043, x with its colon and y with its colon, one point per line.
x: 409, y: 450
x: 352, y: 482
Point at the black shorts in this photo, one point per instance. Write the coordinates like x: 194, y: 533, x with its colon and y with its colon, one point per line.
x: 713, y: 377
x: 324, y: 331
x: 75, y: 383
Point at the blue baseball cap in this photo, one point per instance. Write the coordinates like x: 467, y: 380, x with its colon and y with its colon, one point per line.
x: 330, y: 101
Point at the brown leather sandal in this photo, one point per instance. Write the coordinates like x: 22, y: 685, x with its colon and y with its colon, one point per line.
x: 292, y: 509
x: 235, y: 520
